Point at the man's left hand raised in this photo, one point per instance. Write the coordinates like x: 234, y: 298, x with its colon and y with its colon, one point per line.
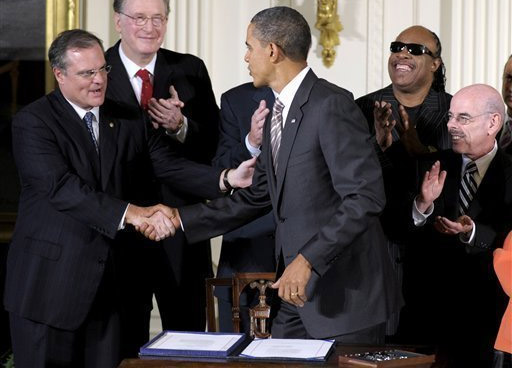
x: 167, y: 112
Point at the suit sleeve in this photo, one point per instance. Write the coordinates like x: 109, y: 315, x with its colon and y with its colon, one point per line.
x: 231, y: 150
x: 43, y: 167
x: 203, y: 119
x: 180, y: 173
x: 356, y: 177
x: 217, y: 217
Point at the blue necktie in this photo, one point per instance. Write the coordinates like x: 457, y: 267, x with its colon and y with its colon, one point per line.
x: 88, y: 122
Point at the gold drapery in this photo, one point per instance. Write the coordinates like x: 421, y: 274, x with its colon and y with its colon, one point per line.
x: 60, y: 16
x: 328, y: 22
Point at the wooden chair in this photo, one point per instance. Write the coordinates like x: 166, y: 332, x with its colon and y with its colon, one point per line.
x: 258, y: 315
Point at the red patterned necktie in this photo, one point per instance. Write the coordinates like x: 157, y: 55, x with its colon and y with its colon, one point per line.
x: 147, y: 88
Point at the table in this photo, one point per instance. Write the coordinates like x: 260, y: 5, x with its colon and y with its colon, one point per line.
x: 205, y: 363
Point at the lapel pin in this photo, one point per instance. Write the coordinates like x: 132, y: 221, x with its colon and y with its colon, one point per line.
x: 111, y: 124
x: 293, y: 121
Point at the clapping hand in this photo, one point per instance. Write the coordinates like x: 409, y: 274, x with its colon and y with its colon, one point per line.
x: 463, y: 224
x: 257, y: 123
x: 383, y: 124
x: 431, y: 187
x: 167, y: 112
x: 409, y: 134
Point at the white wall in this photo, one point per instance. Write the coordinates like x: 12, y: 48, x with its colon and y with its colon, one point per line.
x: 476, y: 37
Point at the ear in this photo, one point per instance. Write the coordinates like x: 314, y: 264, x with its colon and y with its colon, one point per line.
x: 117, y: 22
x: 436, y: 63
x: 495, y: 124
x: 59, y: 75
x: 274, y: 52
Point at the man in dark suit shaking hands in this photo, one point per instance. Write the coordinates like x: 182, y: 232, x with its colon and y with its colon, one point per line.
x: 83, y: 165
x: 318, y: 173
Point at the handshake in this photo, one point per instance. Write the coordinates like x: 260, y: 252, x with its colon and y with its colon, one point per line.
x: 155, y: 222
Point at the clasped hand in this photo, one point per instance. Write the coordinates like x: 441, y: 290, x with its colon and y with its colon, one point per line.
x: 154, y: 222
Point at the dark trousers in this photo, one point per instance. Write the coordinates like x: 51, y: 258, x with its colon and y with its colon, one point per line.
x: 502, y: 359
x: 145, y: 270
x: 287, y: 324
x: 94, y: 344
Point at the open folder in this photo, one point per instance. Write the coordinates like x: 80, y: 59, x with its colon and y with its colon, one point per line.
x: 233, y: 346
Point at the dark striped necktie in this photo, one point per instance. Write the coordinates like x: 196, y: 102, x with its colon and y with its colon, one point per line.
x: 467, y: 188
x: 276, y: 129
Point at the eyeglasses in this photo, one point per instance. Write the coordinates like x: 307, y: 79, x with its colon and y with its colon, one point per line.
x: 464, y: 119
x: 90, y: 74
x: 413, y: 48
x: 141, y: 20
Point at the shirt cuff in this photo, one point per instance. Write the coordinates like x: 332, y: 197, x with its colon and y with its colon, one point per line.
x: 418, y: 217
x: 255, y: 152
x: 122, y: 224
x: 469, y: 240
x: 181, y: 133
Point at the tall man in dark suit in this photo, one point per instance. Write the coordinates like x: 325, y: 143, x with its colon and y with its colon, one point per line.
x: 321, y: 178
x: 84, y: 167
x: 250, y: 248
x: 181, y: 102
x: 461, y: 214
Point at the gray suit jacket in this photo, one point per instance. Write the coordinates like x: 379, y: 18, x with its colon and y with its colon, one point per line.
x: 326, y: 198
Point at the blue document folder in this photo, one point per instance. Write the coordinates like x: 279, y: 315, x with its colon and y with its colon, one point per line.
x: 194, y: 344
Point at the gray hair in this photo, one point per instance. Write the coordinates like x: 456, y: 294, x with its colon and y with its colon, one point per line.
x: 119, y: 4
x: 74, y: 38
x: 285, y: 27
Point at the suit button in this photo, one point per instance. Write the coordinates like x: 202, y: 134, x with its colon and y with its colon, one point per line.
x: 101, y: 261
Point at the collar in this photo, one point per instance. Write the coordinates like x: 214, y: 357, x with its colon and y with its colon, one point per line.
x: 81, y: 112
x: 483, y: 163
x: 131, y: 67
x: 288, y: 92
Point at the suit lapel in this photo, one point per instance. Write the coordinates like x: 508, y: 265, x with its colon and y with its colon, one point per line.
x: 75, y: 127
x: 119, y: 86
x: 490, y: 189
x: 162, y: 78
x: 109, y: 129
x: 293, y: 121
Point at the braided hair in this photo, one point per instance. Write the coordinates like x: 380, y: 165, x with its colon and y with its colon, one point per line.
x: 439, y: 82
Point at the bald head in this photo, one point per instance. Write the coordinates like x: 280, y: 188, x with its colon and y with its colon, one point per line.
x: 477, y: 113
x: 484, y: 98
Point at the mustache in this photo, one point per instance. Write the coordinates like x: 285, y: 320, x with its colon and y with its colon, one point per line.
x: 454, y: 131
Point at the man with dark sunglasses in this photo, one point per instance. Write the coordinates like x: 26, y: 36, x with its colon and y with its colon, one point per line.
x: 407, y: 119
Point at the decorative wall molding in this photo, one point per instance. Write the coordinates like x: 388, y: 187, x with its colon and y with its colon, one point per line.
x: 476, y: 37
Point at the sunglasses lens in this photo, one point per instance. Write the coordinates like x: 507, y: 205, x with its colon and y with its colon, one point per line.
x: 415, y: 49
x: 396, y: 46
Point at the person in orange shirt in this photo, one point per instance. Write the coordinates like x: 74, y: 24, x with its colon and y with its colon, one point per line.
x: 503, y: 268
